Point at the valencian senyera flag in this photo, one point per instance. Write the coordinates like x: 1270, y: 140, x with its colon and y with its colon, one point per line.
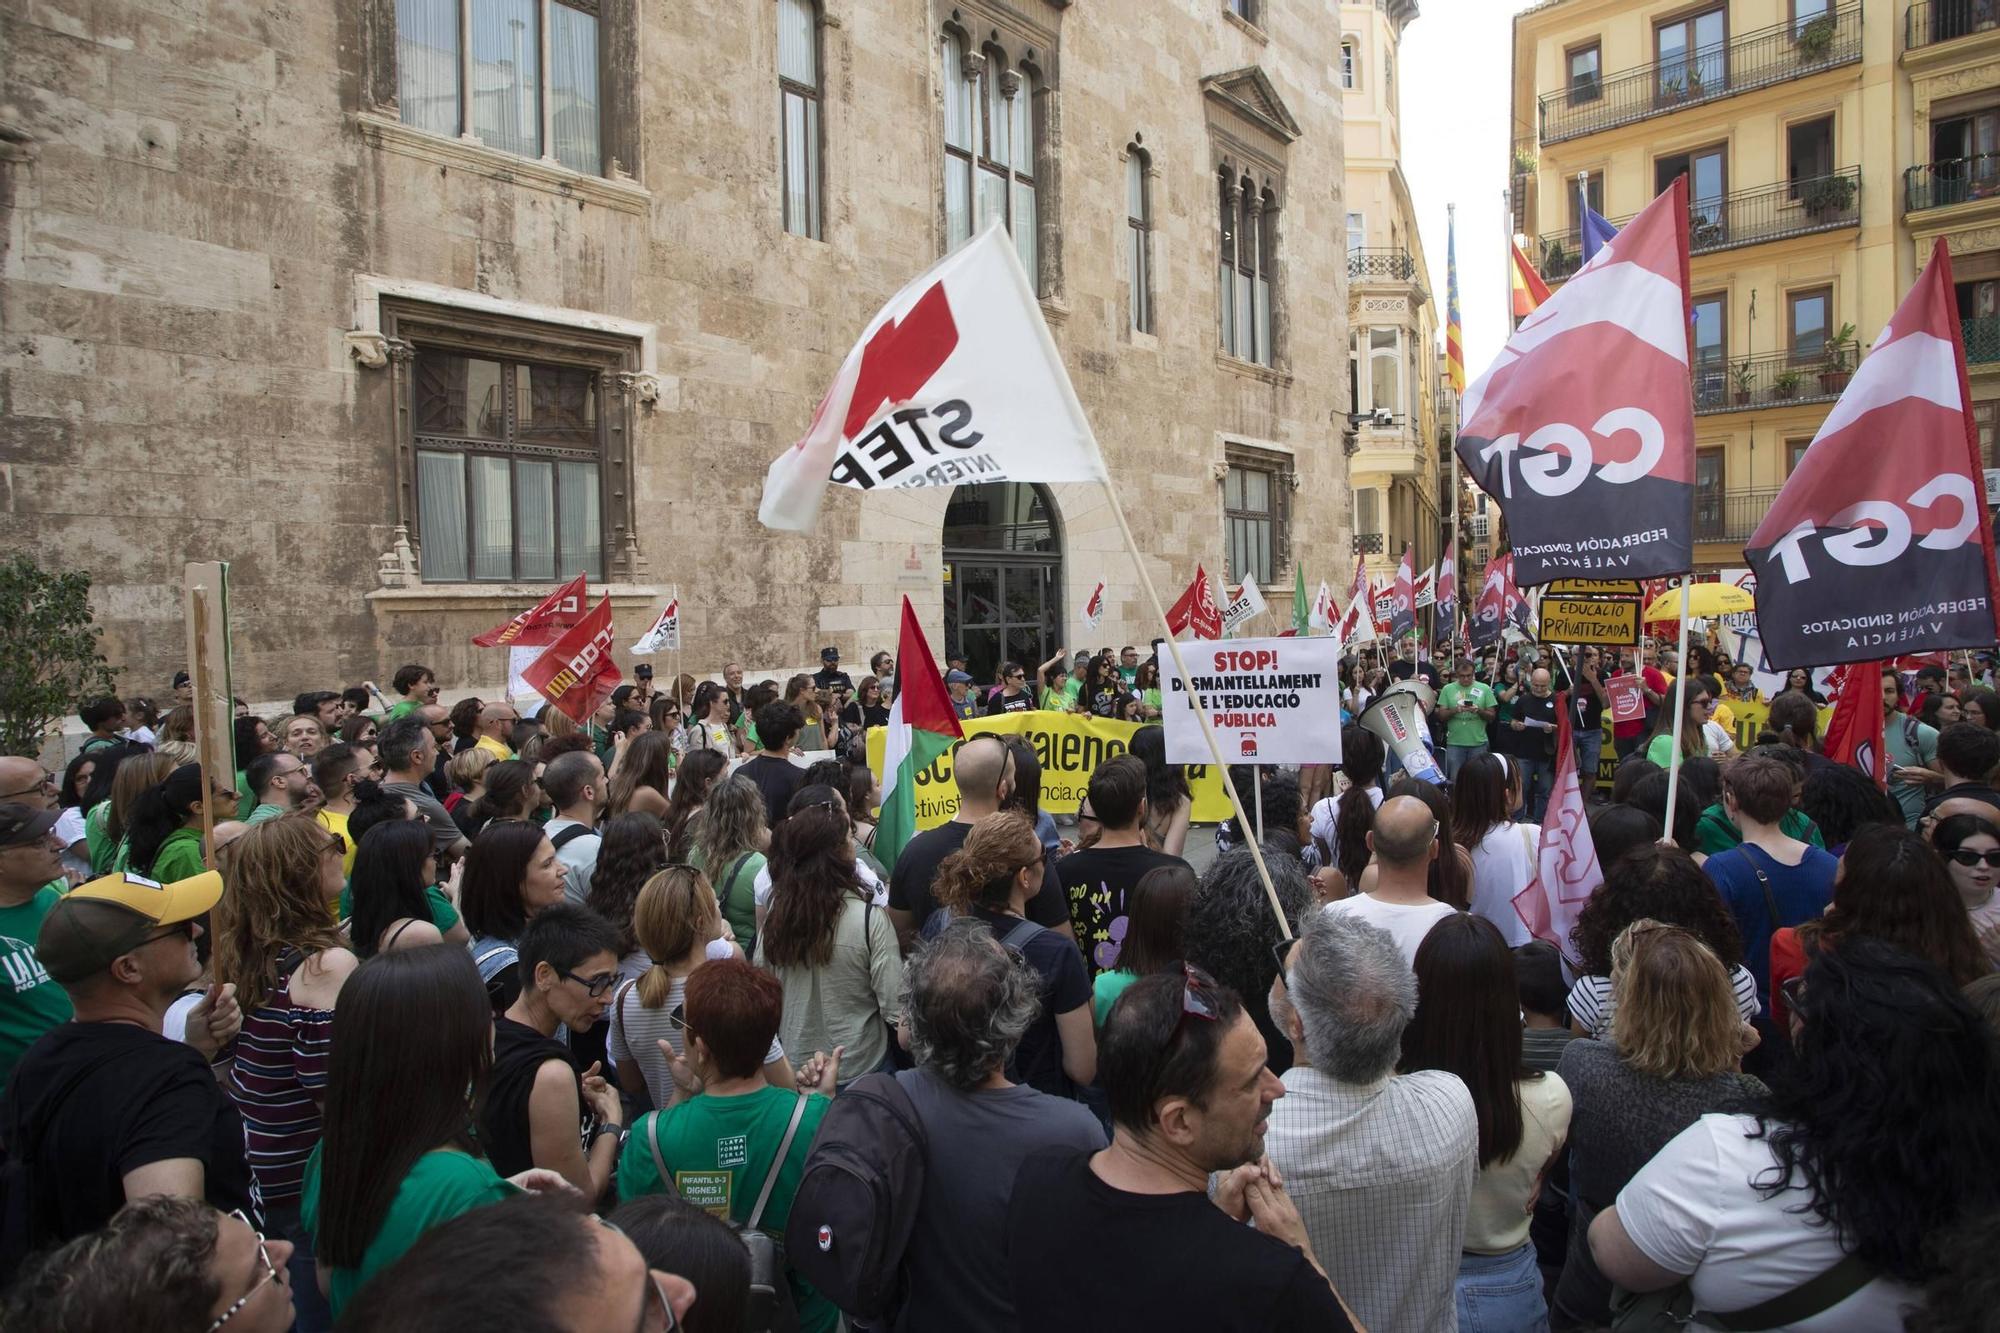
x: 1878, y: 545
x: 1454, y: 333
x: 955, y: 381
x: 922, y: 725
x: 1583, y: 427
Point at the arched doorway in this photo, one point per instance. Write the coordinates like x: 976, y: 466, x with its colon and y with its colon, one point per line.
x: 1003, y: 576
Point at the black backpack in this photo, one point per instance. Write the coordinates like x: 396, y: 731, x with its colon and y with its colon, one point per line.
x: 857, y: 1202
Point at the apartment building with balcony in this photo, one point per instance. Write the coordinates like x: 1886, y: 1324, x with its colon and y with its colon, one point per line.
x: 1950, y: 57
x: 1782, y: 114
x: 1394, y: 463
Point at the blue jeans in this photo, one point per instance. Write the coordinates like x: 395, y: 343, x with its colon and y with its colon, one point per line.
x: 1589, y: 750
x: 1456, y: 755
x: 1501, y: 1293
x: 282, y: 1222
x: 1538, y: 777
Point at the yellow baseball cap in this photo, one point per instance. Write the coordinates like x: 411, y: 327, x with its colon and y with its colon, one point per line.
x: 108, y: 917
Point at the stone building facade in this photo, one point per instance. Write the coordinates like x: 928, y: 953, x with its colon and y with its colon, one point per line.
x: 408, y: 308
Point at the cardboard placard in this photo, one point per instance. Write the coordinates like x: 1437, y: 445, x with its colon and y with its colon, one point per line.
x: 1610, y: 621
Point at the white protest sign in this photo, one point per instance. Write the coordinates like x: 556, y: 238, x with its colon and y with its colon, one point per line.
x: 518, y: 661
x: 1270, y: 701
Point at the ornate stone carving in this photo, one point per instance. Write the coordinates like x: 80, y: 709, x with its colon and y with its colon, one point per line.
x: 640, y: 385
x: 397, y: 567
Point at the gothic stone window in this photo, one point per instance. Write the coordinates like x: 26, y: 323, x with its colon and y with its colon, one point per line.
x: 1256, y: 512
x: 512, y: 445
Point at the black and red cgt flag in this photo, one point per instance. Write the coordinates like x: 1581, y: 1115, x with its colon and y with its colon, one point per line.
x: 1583, y: 427
x: 1878, y: 544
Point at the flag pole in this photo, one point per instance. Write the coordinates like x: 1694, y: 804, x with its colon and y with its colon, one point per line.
x: 1068, y: 390
x: 1680, y: 710
x: 1180, y: 666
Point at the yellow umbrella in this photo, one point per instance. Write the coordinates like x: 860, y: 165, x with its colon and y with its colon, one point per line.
x: 1704, y: 599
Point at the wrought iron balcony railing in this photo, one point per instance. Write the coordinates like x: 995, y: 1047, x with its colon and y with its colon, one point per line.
x: 1928, y: 22
x: 1747, y: 217
x: 1394, y: 265
x: 1774, y: 379
x: 1956, y: 180
x: 1729, y: 516
x: 1704, y: 74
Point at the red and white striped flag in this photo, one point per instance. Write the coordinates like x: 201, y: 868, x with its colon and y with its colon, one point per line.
x: 1567, y: 871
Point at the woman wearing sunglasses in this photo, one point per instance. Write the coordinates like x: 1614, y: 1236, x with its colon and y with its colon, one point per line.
x: 276, y: 941
x: 398, y: 1156
x: 1890, y: 887
x: 1971, y: 850
x: 539, y: 1111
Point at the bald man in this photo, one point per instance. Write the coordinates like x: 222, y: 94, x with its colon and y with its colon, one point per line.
x: 983, y: 767
x: 496, y: 725
x: 1404, y: 842
x: 26, y: 782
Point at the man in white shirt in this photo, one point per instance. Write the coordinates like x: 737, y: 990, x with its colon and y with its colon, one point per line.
x: 576, y: 787
x: 1404, y: 840
x: 1380, y: 1164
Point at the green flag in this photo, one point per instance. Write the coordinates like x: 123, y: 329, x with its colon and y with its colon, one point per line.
x: 1301, y: 608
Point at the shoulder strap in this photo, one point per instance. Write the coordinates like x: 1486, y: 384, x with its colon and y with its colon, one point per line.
x: 618, y: 1013
x: 1814, y: 1296
x: 735, y: 869
x: 1528, y: 849
x: 1019, y: 935
x: 653, y: 1143
x: 390, y: 943
x: 778, y: 1162
x: 1764, y: 883
x: 570, y: 835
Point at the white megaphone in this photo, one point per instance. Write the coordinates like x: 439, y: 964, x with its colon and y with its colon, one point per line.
x: 1398, y: 718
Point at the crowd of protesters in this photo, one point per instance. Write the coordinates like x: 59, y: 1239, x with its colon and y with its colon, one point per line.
x: 491, y: 1018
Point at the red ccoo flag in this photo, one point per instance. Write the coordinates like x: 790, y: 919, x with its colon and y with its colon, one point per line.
x: 1197, y: 610
x: 1878, y: 545
x: 1854, y: 734
x: 544, y: 623
x: 1583, y: 427
x: 576, y: 674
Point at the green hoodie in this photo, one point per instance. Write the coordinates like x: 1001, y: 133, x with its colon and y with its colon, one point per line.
x: 1715, y: 832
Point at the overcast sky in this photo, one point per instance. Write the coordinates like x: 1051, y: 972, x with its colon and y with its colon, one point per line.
x: 1456, y: 143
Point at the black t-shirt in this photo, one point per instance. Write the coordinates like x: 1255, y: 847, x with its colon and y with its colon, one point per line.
x: 519, y: 1052
x: 856, y: 714
x: 90, y: 1102
x: 1589, y: 714
x: 1533, y: 742
x: 915, y: 871
x: 1004, y: 702
x: 1037, y: 1061
x: 1085, y: 1255
x: 827, y: 678
x: 1102, y: 700
x: 1096, y: 883
x: 778, y: 779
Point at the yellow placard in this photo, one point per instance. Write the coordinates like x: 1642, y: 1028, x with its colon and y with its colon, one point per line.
x: 1070, y: 746
x: 1594, y: 588
x: 1602, y: 620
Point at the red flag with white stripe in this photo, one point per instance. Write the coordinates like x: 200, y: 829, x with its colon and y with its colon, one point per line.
x: 1567, y: 871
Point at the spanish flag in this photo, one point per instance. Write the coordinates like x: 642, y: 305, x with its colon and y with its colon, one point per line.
x: 1529, y: 289
x: 1454, y: 337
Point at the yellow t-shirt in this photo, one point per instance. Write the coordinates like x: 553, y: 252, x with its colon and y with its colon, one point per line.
x: 493, y: 747
x: 335, y: 822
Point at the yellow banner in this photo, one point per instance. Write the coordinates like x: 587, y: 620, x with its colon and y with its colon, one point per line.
x: 1070, y: 747
x: 1746, y: 721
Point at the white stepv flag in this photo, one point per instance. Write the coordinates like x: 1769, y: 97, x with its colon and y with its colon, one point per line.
x: 1244, y: 601
x: 665, y: 633
x: 955, y: 380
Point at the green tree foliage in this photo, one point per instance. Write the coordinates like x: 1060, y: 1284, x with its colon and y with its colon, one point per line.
x: 49, y: 662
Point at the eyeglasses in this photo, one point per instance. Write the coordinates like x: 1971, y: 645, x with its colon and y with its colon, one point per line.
x: 596, y: 985
x: 270, y: 1274
x: 179, y: 928
x: 657, y: 1293
x: 1965, y: 856
x: 47, y: 783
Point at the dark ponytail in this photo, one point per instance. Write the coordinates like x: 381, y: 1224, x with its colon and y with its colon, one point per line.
x: 1361, y: 760
x: 158, y: 813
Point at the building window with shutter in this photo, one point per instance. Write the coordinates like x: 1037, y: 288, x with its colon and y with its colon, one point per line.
x: 1247, y: 240
x: 520, y: 76
x: 799, y: 107
x: 1138, y: 239
x: 1256, y: 511
x: 991, y: 137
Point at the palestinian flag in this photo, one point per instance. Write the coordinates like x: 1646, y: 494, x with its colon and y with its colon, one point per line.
x: 922, y: 726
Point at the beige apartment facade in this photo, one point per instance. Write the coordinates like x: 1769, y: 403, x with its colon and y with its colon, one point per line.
x: 410, y: 308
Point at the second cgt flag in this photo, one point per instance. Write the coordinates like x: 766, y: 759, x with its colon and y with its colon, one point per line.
x: 1583, y: 427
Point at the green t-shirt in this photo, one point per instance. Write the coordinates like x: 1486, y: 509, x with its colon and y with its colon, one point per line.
x: 443, y: 1184
x: 1152, y: 698
x: 179, y: 857
x: 403, y: 709
x: 30, y: 1003
x: 265, y: 813
x: 718, y: 1150
x: 738, y: 896
x: 1064, y: 699
x: 1104, y: 991
x: 97, y: 838
x: 443, y: 915
x: 246, y: 800
x: 1467, y: 728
